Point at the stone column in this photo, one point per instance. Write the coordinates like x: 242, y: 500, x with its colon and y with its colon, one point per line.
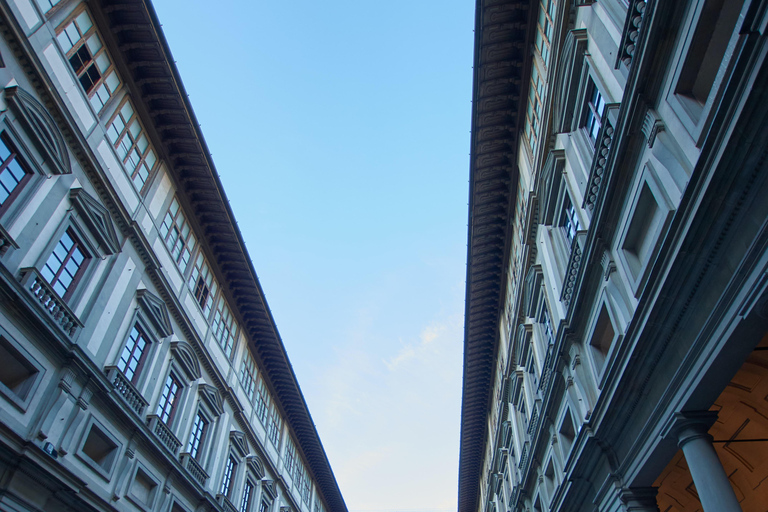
x: 712, y: 484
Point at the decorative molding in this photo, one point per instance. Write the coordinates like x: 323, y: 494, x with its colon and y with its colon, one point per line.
x: 185, y: 356
x: 633, y: 26
x: 652, y: 126
x: 609, y: 266
x: 40, y: 122
x: 156, y: 311
x: 573, y: 267
x: 597, y: 174
x: 239, y: 443
x: 568, y: 79
x: 212, y: 397
x: 257, y: 466
x: 270, y: 488
x: 549, y: 185
x: 531, y: 290
x: 98, y: 219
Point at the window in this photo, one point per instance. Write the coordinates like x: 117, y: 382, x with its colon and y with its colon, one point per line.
x: 569, y: 220
x: 544, y: 28
x: 169, y: 399
x: 264, y: 506
x: 248, y: 375
x: 245, y: 505
x: 197, y: 436
x: 178, y: 235
x: 132, y: 145
x: 99, y: 449
x: 229, y: 469
x: 47, y: 5
x: 18, y: 373
x: 143, y: 488
x: 593, y: 112
x: 224, y: 327
x: 567, y: 432
x: 202, y: 284
x: 305, y: 486
x: 707, y: 51
x: 66, y: 263
x: 89, y: 59
x: 534, y: 108
x: 546, y: 323
x: 262, y: 405
x: 275, y: 426
x: 290, y: 455
x: 133, y: 354
x: 602, y: 337
x: 13, y: 172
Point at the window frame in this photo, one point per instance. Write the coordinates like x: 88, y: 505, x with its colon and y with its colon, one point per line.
x: 191, y: 248
x: 24, y: 358
x: 83, y: 42
x: 601, y: 369
x: 593, y: 114
x: 124, y: 133
x: 74, y: 290
x: 136, y: 379
x: 202, y: 440
x: 229, y: 475
x: 249, y: 380
x: 178, y: 398
x: 136, y: 500
x: 104, y: 472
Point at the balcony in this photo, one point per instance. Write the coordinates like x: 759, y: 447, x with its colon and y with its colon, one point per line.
x: 163, y: 433
x: 573, y: 267
x: 194, y: 468
x: 126, y: 390
x: 226, y: 505
x: 54, y: 306
x: 598, y: 173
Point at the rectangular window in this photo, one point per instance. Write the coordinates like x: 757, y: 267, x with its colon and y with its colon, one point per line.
x: 275, y: 426
x: 245, y: 505
x: 262, y: 405
x: 264, y: 506
x: 178, y: 235
x: 133, y: 354
x: 13, y: 172
x: 16, y: 373
x: 100, y: 448
x: 224, y: 327
x: 534, y: 108
x: 89, y: 59
x: 169, y: 399
x: 197, y: 436
x: 203, y: 284
x: 132, y: 145
x: 593, y: 113
x: 229, y: 469
x: 305, y: 486
x: 248, y: 375
x: 65, y: 264
x: 290, y: 455
x: 546, y: 323
x: 569, y: 220
x: 544, y: 28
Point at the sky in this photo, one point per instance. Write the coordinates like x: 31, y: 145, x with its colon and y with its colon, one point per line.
x: 340, y: 129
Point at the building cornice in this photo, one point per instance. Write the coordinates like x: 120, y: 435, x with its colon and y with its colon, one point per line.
x: 501, y: 73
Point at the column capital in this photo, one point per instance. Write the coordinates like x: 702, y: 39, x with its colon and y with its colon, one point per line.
x: 688, y: 425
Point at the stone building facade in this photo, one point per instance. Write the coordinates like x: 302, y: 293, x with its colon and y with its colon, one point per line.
x: 616, y: 337
x: 140, y: 368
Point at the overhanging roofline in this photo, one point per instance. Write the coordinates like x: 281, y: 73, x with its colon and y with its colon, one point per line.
x: 502, y: 63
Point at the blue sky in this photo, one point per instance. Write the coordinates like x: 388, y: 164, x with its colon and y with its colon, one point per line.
x: 341, y: 133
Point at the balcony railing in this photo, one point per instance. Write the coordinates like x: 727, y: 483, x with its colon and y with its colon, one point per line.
x: 126, y: 390
x: 194, y: 467
x: 546, y: 370
x: 225, y: 503
x: 633, y: 26
x: 598, y: 171
x: 163, y: 433
x: 6, y: 242
x: 49, y: 300
x: 572, y: 269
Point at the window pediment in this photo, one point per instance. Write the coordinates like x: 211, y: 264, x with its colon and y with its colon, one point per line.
x: 549, y: 185
x: 98, y: 219
x: 39, y: 121
x: 156, y: 311
x: 568, y: 79
x: 256, y: 465
x: 239, y: 443
x: 212, y: 397
x: 186, y: 359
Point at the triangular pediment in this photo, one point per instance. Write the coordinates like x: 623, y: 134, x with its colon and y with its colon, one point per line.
x: 212, y: 397
x: 98, y: 219
x: 39, y: 121
x: 156, y: 311
x: 270, y: 488
x: 239, y: 443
